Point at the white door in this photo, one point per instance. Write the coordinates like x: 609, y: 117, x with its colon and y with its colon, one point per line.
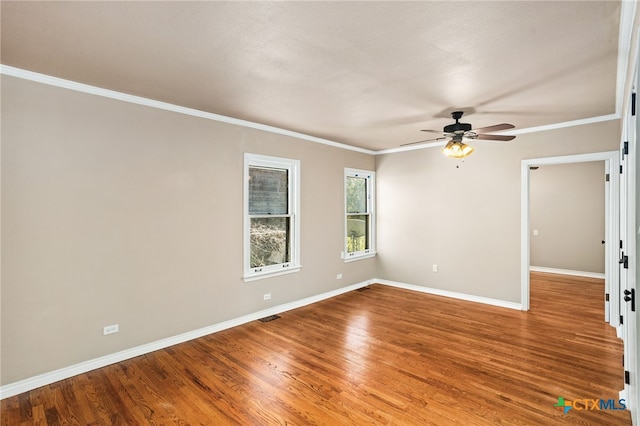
x: 629, y: 298
x: 629, y: 221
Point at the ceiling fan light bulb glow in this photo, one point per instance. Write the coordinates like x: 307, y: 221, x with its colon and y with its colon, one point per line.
x: 457, y: 149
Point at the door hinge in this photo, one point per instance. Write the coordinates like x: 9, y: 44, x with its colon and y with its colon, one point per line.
x: 606, y: 177
x: 624, y: 261
x: 620, y: 244
x: 627, y: 377
x: 633, y: 103
x: 606, y: 297
x: 625, y: 148
x: 621, y: 319
x: 620, y: 168
x: 630, y: 296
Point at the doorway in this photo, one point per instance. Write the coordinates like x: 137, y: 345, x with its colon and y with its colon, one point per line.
x: 611, y: 159
x: 567, y: 214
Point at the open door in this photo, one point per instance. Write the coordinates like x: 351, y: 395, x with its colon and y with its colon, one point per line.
x: 629, y: 247
x: 629, y: 273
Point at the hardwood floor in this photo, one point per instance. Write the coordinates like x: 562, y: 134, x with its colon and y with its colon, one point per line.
x: 377, y: 356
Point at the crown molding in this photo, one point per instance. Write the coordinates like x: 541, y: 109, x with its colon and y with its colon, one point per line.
x: 625, y: 41
x: 112, y: 94
x: 563, y: 125
x: 411, y: 148
x: 554, y: 126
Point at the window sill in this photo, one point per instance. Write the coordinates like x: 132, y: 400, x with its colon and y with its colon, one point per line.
x: 360, y: 257
x: 269, y: 274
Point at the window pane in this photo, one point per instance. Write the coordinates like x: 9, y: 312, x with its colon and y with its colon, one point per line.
x: 268, y: 191
x: 357, y: 233
x: 356, y: 195
x: 269, y: 241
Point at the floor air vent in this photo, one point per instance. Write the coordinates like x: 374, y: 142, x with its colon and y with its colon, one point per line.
x: 363, y: 288
x: 269, y: 318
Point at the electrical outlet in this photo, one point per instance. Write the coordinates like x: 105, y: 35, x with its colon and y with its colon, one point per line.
x: 110, y: 329
x: 339, y: 276
x: 434, y: 268
x: 267, y: 296
x: 535, y: 232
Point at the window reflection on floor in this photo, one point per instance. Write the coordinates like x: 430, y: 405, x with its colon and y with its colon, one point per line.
x: 356, y: 344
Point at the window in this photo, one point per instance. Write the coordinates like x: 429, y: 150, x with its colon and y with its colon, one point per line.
x: 359, y: 188
x: 271, y: 223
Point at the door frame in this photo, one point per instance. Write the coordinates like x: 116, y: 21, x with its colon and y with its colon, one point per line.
x: 630, y: 243
x: 612, y: 215
x: 629, y: 276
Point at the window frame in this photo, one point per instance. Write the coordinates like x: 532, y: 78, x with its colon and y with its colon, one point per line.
x: 370, y: 179
x: 293, y: 203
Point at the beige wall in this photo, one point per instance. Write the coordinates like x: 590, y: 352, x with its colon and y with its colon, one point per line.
x: 119, y: 213
x: 466, y: 219
x: 567, y: 203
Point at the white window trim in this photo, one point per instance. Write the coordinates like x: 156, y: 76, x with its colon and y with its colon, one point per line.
x: 371, y: 208
x: 293, y: 166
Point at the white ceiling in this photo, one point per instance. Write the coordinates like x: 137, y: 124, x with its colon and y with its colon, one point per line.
x: 367, y: 74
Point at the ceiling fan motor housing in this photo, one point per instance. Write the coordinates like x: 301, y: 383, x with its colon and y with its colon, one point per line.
x: 457, y: 127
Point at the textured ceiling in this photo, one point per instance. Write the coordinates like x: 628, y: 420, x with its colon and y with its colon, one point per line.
x: 367, y: 74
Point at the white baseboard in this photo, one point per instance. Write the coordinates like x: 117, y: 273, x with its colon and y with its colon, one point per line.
x: 623, y: 395
x: 451, y: 294
x: 31, y: 383
x: 566, y: 272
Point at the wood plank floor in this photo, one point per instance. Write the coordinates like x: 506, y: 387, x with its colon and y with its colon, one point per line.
x: 378, y: 356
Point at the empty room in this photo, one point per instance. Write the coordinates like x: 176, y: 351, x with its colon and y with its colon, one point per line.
x: 338, y: 213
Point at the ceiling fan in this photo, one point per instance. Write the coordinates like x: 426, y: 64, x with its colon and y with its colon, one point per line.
x: 458, y: 131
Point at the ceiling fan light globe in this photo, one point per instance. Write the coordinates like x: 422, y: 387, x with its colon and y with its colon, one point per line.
x: 466, y: 150
x: 448, y: 149
x: 457, y: 149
